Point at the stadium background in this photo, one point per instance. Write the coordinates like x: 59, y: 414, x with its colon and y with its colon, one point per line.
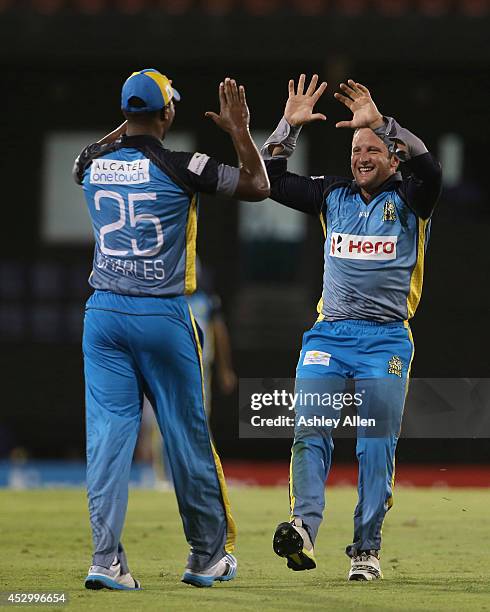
x: 63, y: 63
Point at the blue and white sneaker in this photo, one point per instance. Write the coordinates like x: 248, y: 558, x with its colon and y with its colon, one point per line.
x: 225, y: 569
x: 102, y: 578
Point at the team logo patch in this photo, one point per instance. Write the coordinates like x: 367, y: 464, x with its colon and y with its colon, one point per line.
x: 351, y: 246
x: 389, y: 211
x: 316, y: 358
x: 119, y: 172
x: 198, y: 163
x: 395, y: 366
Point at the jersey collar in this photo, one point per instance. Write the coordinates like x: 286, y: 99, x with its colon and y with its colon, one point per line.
x: 139, y: 140
x: 386, y: 186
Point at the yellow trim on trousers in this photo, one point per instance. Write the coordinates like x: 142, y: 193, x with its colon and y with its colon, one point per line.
x: 410, y: 336
x: 292, y: 499
x: 231, y: 531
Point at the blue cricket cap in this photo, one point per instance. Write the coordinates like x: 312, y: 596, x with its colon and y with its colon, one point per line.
x: 152, y: 87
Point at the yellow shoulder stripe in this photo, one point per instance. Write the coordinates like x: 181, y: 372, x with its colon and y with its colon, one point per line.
x: 190, y: 248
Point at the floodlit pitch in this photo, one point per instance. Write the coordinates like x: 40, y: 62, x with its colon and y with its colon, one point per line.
x: 434, y: 558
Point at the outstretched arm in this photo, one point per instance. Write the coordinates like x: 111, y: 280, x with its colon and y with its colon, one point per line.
x: 302, y: 193
x: 234, y: 118
x: 365, y: 114
x: 298, y: 111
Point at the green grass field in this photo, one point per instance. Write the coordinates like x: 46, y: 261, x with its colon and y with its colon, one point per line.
x: 435, y: 554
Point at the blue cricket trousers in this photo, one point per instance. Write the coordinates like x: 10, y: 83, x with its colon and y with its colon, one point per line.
x: 135, y: 345
x: 378, y: 357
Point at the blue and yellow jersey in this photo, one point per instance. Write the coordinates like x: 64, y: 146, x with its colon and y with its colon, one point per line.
x: 143, y: 203
x: 374, y: 251
x: 373, y: 257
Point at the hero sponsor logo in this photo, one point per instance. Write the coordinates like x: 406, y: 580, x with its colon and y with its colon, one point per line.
x: 119, y: 172
x: 351, y: 246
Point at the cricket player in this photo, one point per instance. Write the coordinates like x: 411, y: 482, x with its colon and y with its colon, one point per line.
x: 207, y: 309
x: 376, y: 229
x: 140, y: 336
x: 216, y: 351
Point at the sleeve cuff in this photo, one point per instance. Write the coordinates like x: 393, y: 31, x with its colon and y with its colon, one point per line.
x: 284, y: 135
x: 227, y: 180
x: 391, y: 132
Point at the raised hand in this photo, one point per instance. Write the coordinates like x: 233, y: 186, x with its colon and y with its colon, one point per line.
x: 299, y: 107
x: 358, y: 99
x: 233, y: 110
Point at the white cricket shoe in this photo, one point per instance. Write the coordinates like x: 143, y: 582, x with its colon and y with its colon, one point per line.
x: 225, y: 569
x: 102, y: 578
x: 365, y: 566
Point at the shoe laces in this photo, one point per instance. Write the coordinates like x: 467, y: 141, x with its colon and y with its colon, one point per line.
x: 364, y: 555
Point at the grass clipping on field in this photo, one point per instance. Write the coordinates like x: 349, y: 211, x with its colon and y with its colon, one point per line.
x: 434, y: 557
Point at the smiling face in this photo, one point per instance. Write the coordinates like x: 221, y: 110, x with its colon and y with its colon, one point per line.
x: 370, y: 162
